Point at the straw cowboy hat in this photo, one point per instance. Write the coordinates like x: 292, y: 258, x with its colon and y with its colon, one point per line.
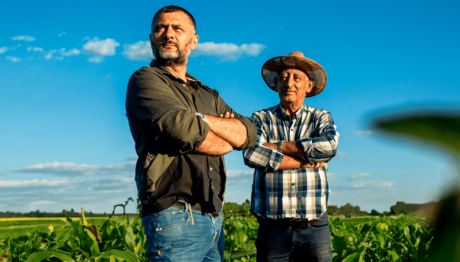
x: 295, y: 59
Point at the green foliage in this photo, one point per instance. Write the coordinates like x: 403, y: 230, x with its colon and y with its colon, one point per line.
x: 240, y: 238
x: 347, y: 211
x: 384, y: 239
x: 114, y: 240
x: 442, y: 130
x: 405, y: 238
x: 232, y: 209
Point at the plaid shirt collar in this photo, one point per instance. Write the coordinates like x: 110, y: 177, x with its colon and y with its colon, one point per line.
x: 281, y: 113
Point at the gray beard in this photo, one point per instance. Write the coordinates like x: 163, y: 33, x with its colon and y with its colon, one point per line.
x: 171, y: 58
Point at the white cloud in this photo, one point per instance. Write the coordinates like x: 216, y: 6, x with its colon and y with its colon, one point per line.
x: 34, y: 49
x: 71, y: 52
x: 33, y: 182
x: 227, y: 51
x: 41, y: 202
x: 3, y: 49
x: 331, y: 175
x: 27, y: 38
x: 341, y: 154
x: 13, y: 59
x: 132, y: 158
x: 98, y: 194
x: 415, y: 173
x: 96, y: 59
x: 98, y: 47
x: 61, y: 34
x: 138, y: 51
x: 366, y: 185
x: 236, y: 159
x: 235, y: 173
x: 359, y: 176
x: 70, y: 169
x: 49, y: 54
x: 364, y: 133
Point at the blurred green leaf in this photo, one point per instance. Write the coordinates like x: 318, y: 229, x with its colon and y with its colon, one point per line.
x: 439, y: 129
x: 40, y: 256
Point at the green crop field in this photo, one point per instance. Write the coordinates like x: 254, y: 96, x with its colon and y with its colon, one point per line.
x: 403, y: 238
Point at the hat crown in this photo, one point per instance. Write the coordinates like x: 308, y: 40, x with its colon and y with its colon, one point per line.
x: 296, y: 53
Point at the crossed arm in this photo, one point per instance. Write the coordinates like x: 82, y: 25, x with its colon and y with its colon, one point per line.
x: 293, y: 152
x: 305, y: 153
x: 225, y: 133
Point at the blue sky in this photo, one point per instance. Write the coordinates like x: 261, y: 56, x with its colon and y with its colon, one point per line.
x: 65, y: 141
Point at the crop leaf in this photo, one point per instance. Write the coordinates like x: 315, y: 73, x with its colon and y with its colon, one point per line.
x: 42, y: 255
x: 126, y: 255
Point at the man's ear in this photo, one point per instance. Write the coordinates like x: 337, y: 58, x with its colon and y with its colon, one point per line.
x: 275, y: 82
x: 195, y: 39
x: 311, y: 84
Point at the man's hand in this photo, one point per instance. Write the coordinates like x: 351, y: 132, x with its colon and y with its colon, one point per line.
x: 227, y: 115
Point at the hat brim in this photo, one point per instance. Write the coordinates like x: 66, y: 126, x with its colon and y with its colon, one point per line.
x: 315, y: 71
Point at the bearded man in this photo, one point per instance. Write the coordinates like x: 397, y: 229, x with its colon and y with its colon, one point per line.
x: 182, y: 129
x: 290, y: 189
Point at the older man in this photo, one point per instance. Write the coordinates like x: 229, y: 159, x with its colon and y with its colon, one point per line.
x: 290, y: 189
x: 182, y: 129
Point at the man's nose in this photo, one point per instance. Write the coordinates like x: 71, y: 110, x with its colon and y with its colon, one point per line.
x: 290, y: 82
x: 169, y: 33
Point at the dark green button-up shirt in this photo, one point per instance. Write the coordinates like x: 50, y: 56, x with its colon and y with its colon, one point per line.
x: 161, y: 111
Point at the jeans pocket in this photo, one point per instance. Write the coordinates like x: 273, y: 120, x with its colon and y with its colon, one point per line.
x: 171, y: 217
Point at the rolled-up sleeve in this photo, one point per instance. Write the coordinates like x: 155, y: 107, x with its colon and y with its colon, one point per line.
x: 150, y: 99
x: 323, y: 147
x: 260, y: 156
x: 251, y: 137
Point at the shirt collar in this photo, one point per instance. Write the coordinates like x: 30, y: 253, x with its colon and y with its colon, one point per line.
x: 284, y: 116
x: 193, y: 81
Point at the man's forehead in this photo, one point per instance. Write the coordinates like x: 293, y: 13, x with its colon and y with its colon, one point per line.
x: 292, y: 70
x: 178, y: 17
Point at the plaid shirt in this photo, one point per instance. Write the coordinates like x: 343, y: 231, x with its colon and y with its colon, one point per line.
x: 295, y: 193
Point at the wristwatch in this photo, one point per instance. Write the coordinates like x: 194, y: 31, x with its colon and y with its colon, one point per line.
x: 279, y: 146
x: 200, y: 115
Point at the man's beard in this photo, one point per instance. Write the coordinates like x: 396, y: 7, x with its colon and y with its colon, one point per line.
x: 171, y: 58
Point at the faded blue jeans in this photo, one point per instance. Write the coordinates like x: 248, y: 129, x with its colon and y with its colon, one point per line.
x: 171, y: 236
x: 311, y: 243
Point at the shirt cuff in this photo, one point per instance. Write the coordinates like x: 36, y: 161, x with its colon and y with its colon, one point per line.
x: 251, y: 135
x: 307, y: 146
x: 274, y: 161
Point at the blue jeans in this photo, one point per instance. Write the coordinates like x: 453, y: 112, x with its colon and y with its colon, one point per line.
x: 171, y: 236
x: 310, y: 243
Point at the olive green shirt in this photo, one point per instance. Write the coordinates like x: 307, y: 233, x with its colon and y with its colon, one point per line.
x: 161, y: 110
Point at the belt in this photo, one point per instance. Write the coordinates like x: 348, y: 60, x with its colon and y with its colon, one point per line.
x: 286, y: 223
x: 196, y: 207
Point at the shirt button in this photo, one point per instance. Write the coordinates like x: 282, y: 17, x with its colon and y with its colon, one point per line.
x: 210, y: 169
x: 292, y: 184
x: 183, y: 85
